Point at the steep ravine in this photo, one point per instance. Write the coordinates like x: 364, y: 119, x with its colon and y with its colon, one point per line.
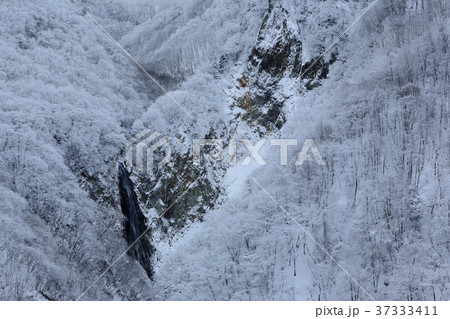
x: 276, y: 56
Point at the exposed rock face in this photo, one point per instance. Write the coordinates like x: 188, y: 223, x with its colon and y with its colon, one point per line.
x: 278, y: 49
x: 176, y: 193
x: 276, y: 55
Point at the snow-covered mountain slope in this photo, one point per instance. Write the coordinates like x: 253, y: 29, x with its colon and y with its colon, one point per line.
x: 376, y: 105
x: 67, y: 96
x: 379, y: 206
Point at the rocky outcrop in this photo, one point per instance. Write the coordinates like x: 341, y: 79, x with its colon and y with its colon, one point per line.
x: 277, y: 55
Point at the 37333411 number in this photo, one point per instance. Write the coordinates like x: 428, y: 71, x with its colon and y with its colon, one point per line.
x: 406, y: 310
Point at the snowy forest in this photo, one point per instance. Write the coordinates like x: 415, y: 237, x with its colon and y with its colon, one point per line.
x: 367, y: 80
